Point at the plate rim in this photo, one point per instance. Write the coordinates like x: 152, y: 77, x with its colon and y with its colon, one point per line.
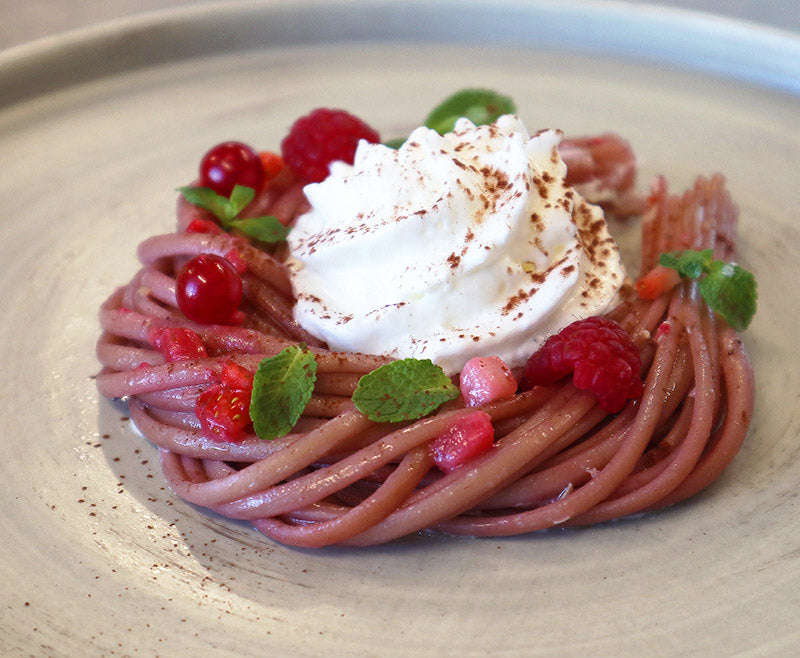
x: 680, y: 38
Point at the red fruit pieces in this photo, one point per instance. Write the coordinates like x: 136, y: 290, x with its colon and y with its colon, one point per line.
x: 224, y: 413
x: 201, y: 225
x: 322, y: 137
x: 486, y: 379
x: 468, y: 437
x: 273, y: 164
x: 232, y: 375
x: 657, y: 281
x: 599, y: 354
x: 176, y: 343
x: 208, y: 290
x: 229, y: 164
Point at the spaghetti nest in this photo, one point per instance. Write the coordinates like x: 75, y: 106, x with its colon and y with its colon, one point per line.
x: 339, y: 478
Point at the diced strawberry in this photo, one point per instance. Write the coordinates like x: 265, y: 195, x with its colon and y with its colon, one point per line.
x: 200, y: 225
x: 486, y: 379
x: 177, y: 343
x: 232, y: 375
x: 468, y: 437
x: 273, y: 164
x: 657, y: 281
x: 224, y: 413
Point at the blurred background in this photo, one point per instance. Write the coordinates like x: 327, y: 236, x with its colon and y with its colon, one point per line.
x: 26, y: 20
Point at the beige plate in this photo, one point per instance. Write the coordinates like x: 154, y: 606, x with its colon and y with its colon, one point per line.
x: 97, y: 128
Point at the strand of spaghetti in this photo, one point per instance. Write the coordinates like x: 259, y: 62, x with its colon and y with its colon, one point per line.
x: 215, y: 469
x: 172, y: 399
x: 336, y: 383
x: 194, y: 444
x: 740, y: 394
x: 561, y: 402
x: 159, y: 285
x: 277, y: 309
x: 155, y: 378
x: 325, y: 481
x: 272, y: 469
x: 605, y: 481
x: 546, y: 483
x: 114, y: 355
x: 357, y: 519
x: 574, y: 466
x: 139, y: 299
x: 266, y: 267
x: 712, y: 193
x: 519, y: 406
x: 288, y: 205
x: 461, y: 489
x: 177, y: 419
x: 682, y: 460
x: 124, y: 322
x: 653, y: 225
x: 157, y: 247
x: 655, y: 460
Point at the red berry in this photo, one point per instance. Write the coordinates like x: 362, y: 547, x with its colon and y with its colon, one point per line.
x: 657, y: 281
x: 468, y: 437
x: 599, y: 354
x: 273, y: 164
x: 229, y: 164
x: 177, y: 343
x: 486, y: 379
x: 322, y: 137
x: 224, y: 413
x: 209, y: 290
x: 200, y: 225
x: 232, y: 375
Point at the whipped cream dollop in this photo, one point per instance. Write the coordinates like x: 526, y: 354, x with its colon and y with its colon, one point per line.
x: 454, y: 246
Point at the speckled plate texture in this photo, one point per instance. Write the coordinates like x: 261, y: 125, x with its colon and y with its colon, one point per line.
x: 98, y: 128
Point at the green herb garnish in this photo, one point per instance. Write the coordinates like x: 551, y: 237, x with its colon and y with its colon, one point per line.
x: 481, y: 106
x: 282, y: 387
x: 403, y: 390
x: 265, y: 229
x: 728, y: 289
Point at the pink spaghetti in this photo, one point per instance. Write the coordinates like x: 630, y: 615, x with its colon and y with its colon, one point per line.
x: 339, y: 478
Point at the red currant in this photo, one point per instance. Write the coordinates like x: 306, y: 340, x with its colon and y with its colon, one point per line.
x: 229, y: 164
x: 209, y: 290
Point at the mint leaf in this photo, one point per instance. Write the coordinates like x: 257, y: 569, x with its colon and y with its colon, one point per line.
x: 241, y: 195
x: 265, y: 229
x: 480, y: 106
x: 728, y: 289
x: 403, y: 390
x: 282, y: 387
x: 209, y: 200
x: 732, y: 292
x: 224, y: 209
x: 395, y: 143
x: 689, y: 263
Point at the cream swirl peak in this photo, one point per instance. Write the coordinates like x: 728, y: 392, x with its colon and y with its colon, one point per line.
x: 454, y: 246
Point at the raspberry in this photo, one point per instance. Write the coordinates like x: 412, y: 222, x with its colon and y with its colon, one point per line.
x: 321, y: 137
x: 599, y: 354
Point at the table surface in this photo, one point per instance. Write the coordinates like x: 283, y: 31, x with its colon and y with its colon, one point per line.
x: 34, y: 19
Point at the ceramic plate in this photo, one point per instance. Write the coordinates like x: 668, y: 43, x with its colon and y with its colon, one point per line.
x: 97, y: 128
